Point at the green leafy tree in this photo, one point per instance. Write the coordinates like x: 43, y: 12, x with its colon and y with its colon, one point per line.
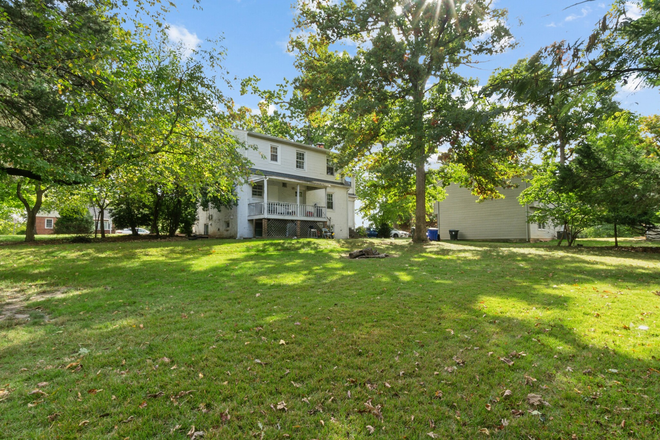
x: 616, y: 174
x: 400, y: 87
x: 550, y: 205
x: 79, y: 223
x: 82, y: 98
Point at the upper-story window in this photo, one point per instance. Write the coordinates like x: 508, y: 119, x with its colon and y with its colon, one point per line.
x: 300, y: 160
x: 330, y: 167
x: 274, y: 153
x: 258, y: 190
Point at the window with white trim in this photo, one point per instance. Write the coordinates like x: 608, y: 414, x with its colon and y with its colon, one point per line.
x: 300, y: 160
x: 258, y: 190
x: 330, y: 167
x: 106, y: 225
x: 49, y: 223
x: 540, y: 226
x: 274, y: 153
x: 330, y: 201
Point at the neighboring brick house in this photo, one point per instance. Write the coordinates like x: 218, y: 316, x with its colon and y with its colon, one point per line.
x: 46, y: 222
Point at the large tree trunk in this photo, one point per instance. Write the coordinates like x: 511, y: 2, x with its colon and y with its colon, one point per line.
x: 420, y: 200
x: 156, y: 214
x: 102, y: 217
x: 31, y: 212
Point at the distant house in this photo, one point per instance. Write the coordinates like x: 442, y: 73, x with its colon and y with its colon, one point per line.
x: 500, y: 219
x: 293, y: 191
x: 46, y: 221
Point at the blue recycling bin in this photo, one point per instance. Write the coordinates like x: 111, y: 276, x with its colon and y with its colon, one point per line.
x: 432, y: 234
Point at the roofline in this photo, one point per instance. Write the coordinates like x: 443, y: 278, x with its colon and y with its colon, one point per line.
x: 286, y: 141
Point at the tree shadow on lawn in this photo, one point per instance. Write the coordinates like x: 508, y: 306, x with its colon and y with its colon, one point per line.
x: 397, y: 331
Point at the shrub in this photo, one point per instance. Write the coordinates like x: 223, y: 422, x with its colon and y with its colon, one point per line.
x: 361, y: 231
x: 70, y: 223
x: 384, y: 230
x: 607, y: 231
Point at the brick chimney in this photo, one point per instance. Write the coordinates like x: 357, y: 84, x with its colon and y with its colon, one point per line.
x: 320, y: 145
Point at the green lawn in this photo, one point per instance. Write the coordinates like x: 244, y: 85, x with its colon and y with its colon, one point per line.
x: 290, y: 339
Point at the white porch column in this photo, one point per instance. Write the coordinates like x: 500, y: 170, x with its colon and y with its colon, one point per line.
x: 266, y: 197
x: 325, y: 201
x: 298, y: 200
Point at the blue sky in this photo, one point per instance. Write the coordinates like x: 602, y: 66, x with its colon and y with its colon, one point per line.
x: 256, y: 32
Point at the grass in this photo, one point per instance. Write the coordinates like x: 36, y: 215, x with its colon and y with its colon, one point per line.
x: 289, y: 339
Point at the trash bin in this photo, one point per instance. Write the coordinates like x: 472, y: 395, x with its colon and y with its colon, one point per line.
x: 453, y: 234
x: 432, y: 234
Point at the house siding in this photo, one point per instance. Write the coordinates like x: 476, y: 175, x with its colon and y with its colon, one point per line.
x: 500, y: 219
x: 41, y: 225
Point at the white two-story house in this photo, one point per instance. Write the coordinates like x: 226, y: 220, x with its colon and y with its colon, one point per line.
x: 293, y: 191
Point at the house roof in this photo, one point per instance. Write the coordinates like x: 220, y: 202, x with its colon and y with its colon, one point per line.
x: 342, y: 182
x: 287, y: 142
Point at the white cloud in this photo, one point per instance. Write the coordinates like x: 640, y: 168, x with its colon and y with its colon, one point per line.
x: 183, y: 38
x: 634, y: 84
x: 633, y: 11
x: 585, y: 12
x: 552, y: 25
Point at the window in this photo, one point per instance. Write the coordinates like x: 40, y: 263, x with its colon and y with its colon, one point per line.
x: 49, y: 223
x: 541, y: 226
x: 258, y: 190
x: 283, y: 184
x: 106, y: 225
x: 330, y: 202
x: 300, y: 160
x: 274, y: 153
x: 330, y: 167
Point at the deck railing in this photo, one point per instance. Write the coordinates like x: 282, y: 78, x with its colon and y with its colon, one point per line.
x: 283, y: 209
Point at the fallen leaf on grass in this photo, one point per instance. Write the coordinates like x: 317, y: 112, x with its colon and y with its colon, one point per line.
x: 438, y: 395
x: 450, y: 331
x: 297, y: 385
x: 128, y: 420
x: 83, y: 423
x: 450, y: 369
x: 517, y: 413
x: 488, y: 407
x: 143, y: 404
x: 507, y: 361
x: 515, y: 354
x: 72, y: 365
x: 458, y: 360
x: 37, y: 391
x: 370, y: 429
x: 282, y: 406
x: 432, y: 435
x: 53, y: 417
x: 42, y: 384
x: 375, y: 410
x: 529, y: 380
x: 536, y: 400
x: 155, y: 395
x: 4, y: 393
x: 507, y: 393
x: 484, y: 431
x: 93, y: 391
x: 282, y: 342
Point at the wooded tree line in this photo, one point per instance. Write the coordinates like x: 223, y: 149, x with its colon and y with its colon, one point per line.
x: 125, y: 118
x: 96, y: 102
